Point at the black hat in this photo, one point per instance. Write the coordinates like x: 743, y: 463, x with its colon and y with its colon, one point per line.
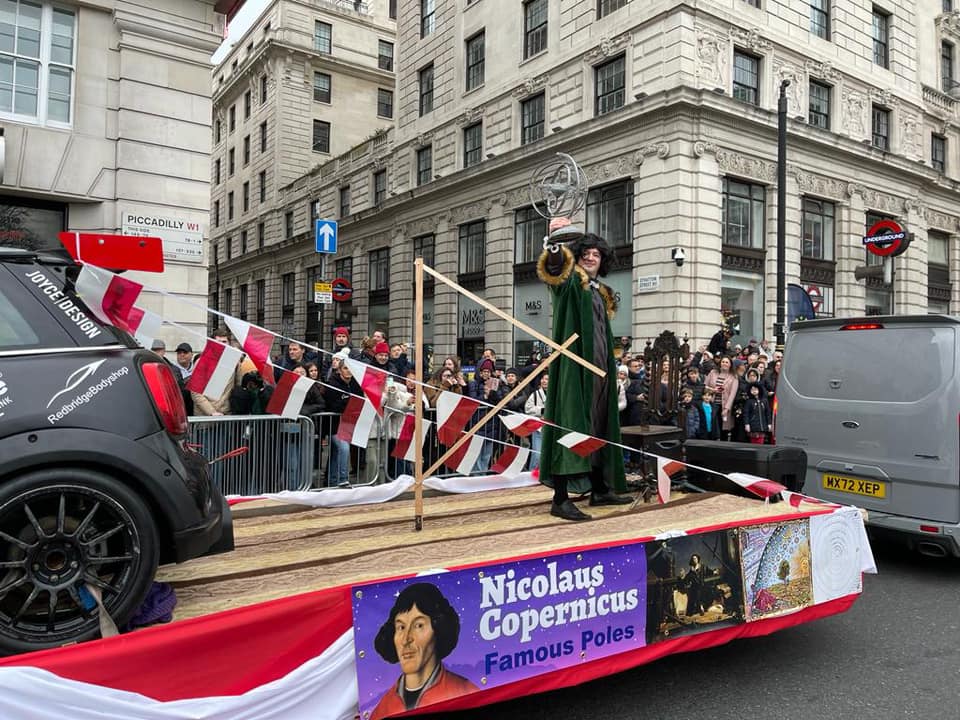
x: 511, y: 370
x: 184, y: 347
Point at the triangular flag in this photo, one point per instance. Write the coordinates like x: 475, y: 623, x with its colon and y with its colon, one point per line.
x: 107, y: 295
x: 405, y: 448
x: 512, y: 461
x: 581, y: 444
x: 256, y: 343
x: 761, y: 487
x: 356, y: 422
x: 795, y: 498
x: 521, y: 425
x: 371, y: 380
x: 214, y: 369
x: 453, y: 413
x: 463, y: 460
x: 288, y: 396
x: 666, y: 468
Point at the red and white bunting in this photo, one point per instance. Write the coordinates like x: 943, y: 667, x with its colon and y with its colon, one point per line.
x: 356, y: 423
x: 108, y: 296
x: 521, y: 425
x: 214, y: 369
x: 761, y: 487
x: 406, y: 448
x: 512, y: 461
x: 795, y: 498
x: 288, y: 396
x: 463, y: 460
x: 453, y: 413
x: 582, y: 445
x: 371, y: 380
x: 256, y: 343
x: 145, y: 325
x: 666, y: 468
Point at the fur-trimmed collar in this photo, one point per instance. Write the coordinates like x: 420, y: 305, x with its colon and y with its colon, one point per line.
x: 568, y: 267
x: 605, y: 291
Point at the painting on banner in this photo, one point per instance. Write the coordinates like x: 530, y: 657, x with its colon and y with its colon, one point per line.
x: 694, y: 584
x: 430, y: 638
x: 776, y: 568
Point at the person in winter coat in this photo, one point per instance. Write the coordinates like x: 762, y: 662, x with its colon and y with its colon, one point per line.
x: 487, y: 389
x: 757, y: 416
x: 534, y: 406
x: 337, y: 393
x: 250, y: 397
x: 693, y: 382
x: 708, y: 423
x: 724, y: 385
x: 689, y: 416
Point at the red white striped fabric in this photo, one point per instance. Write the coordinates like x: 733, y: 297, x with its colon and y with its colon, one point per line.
x: 356, y: 422
x: 521, y: 425
x: 794, y: 499
x: 406, y: 448
x: 108, y: 296
x: 145, y: 325
x: 463, y: 460
x: 214, y: 369
x: 256, y: 343
x: 512, y: 461
x: 453, y: 413
x: 761, y: 487
x: 371, y: 380
x: 666, y: 468
x: 288, y: 396
x: 582, y: 445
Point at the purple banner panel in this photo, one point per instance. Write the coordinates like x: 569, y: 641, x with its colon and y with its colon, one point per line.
x: 430, y: 638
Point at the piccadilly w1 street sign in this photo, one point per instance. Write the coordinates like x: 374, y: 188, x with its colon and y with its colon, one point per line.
x: 325, y: 232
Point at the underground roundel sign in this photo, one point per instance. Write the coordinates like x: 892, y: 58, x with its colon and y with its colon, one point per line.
x: 342, y: 290
x: 886, y: 238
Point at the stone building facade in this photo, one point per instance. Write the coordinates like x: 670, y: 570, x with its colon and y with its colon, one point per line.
x: 310, y: 80
x: 671, y: 108
x: 105, y: 117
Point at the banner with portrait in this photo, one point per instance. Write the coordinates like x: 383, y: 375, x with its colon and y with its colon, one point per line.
x: 426, y: 639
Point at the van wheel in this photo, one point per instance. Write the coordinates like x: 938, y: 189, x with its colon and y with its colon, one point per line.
x: 62, y: 531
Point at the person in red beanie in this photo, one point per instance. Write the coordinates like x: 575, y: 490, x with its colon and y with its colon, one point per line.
x: 341, y: 342
x: 381, y: 356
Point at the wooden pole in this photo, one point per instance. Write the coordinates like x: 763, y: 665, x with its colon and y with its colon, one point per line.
x: 499, y: 406
x: 418, y: 392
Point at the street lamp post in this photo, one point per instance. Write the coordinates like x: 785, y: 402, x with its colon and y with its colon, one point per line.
x: 781, y: 213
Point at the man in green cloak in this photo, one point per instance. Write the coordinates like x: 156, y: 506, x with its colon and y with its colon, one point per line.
x: 578, y: 399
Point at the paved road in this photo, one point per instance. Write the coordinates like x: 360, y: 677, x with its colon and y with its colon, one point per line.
x: 895, y: 654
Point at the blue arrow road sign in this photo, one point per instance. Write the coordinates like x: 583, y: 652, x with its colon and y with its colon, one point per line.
x: 326, y: 236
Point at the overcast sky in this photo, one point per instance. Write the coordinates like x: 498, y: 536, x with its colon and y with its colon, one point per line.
x: 239, y: 25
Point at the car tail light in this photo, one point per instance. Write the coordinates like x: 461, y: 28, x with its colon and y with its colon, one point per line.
x: 929, y: 528
x: 862, y: 326
x: 166, y: 395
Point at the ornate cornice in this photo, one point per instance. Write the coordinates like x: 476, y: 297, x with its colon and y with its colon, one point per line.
x: 750, y: 39
x: 884, y: 97
x: 813, y: 184
x: 877, y: 200
x: 941, y: 221
x: 606, y: 48
x: 476, y: 210
x: 610, y: 169
x: 746, y: 166
x: 423, y: 139
x: 712, y: 49
x: 822, y: 70
x: 470, y: 116
x: 702, y: 147
x: 660, y: 149
x: 949, y: 23
x: 529, y: 86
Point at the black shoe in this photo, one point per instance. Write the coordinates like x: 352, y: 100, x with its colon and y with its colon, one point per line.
x: 568, y: 511
x: 609, y: 498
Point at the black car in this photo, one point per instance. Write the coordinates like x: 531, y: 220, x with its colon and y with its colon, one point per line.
x: 97, y: 483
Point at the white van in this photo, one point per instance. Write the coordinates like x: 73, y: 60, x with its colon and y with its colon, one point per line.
x: 875, y: 403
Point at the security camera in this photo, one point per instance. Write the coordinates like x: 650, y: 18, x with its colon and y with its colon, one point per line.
x: 678, y: 256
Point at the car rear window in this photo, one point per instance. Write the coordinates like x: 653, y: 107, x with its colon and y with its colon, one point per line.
x: 891, y: 364
x: 15, y: 331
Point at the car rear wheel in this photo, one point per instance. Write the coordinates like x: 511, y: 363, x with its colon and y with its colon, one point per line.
x: 65, y: 534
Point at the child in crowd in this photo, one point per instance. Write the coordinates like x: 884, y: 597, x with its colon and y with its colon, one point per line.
x: 709, y: 417
x: 757, y: 415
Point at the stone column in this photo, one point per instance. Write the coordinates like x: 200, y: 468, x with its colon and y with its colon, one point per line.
x: 910, y: 269
x: 792, y: 251
x: 445, y: 298
x: 849, y: 295
x: 401, y: 286
x: 953, y: 258
x: 498, y: 333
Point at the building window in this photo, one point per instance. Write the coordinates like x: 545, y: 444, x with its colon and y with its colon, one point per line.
x: 321, y: 136
x: 243, y: 242
x: 288, y: 292
x: 263, y: 136
x: 534, y: 27
x: 288, y: 224
x: 938, y: 152
x: 392, y: 9
x: 216, y: 213
x: 820, y: 18
x: 344, y: 201
x: 228, y: 301
x: 427, y: 17
x: 881, y: 37
x: 746, y: 78
x: 946, y: 66
x: 263, y: 89
x: 472, y: 144
x: 426, y: 89
x: 819, y: 114
x: 344, y: 269
x: 246, y: 150
x: 217, y: 131
x: 242, y: 309
x: 938, y: 273
x: 529, y: 229
x: 229, y: 206
x: 610, y: 212
x: 216, y: 171
x: 881, y: 127
x: 532, y: 119
x: 245, y: 196
x: 380, y: 269
x: 817, y: 229
x: 263, y: 186
x: 313, y: 209
x: 261, y: 301
x: 228, y: 244
x: 385, y: 55
x: 743, y: 214
x: 247, y: 104
x: 610, y: 83
x: 384, y: 103
x: 261, y: 235
x: 947, y: 6
x: 321, y: 87
x: 424, y: 165
x: 37, y: 47
x: 605, y: 7
x: 475, y: 60
x: 473, y: 251
x: 379, y: 187
x: 938, y: 249
x: 232, y: 119
x: 424, y: 247
x: 322, y: 37
x: 231, y: 161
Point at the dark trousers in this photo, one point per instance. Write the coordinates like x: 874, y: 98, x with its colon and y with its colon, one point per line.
x: 597, y: 485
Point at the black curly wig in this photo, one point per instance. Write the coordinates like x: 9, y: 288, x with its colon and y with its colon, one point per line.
x: 589, y: 241
x: 431, y: 602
